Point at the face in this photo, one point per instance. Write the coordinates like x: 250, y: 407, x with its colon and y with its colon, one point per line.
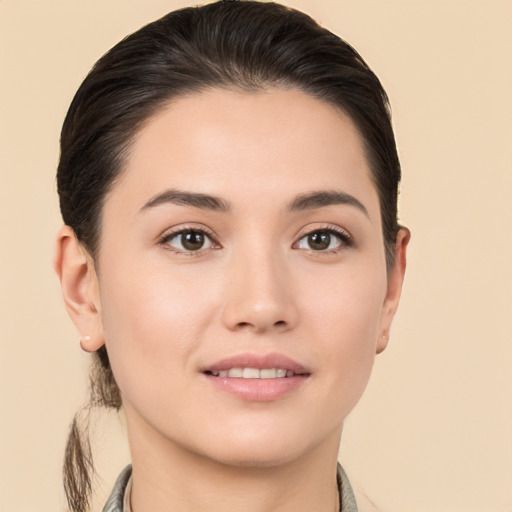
x: 242, y: 289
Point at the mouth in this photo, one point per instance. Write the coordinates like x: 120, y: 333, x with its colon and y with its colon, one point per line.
x: 260, y: 378
x: 254, y: 373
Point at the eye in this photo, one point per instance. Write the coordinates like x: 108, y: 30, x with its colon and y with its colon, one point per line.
x: 188, y: 240
x: 324, y: 240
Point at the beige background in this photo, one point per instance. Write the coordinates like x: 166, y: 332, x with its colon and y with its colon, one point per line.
x: 434, y: 430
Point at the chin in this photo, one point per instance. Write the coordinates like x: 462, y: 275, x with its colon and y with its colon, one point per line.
x: 250, y: 459
x: 259, y: 450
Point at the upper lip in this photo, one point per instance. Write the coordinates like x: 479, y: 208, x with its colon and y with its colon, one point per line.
x: 259, y: 361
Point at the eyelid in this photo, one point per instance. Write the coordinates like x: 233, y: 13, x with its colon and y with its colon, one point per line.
x: 175, y: 231
x: 345, y: 237
x: 341, y: 233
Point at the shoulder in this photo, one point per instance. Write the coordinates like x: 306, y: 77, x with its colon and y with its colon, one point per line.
x: 364, y: 504
x: 115, y: 503
x: 353, y: 499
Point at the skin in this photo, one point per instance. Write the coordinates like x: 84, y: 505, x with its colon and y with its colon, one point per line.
x: 165, y: 314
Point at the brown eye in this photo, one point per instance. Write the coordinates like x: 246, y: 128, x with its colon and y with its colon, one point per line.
x: 323, y: 240
x: 192, y: 240
x: 319, y: 241
x: 189, y: 240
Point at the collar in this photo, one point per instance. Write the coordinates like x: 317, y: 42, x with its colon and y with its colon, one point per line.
x: 119, y: 500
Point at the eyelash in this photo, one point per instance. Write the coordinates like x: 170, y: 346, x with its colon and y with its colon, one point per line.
x: 344, y: 237
x: 165, y: 239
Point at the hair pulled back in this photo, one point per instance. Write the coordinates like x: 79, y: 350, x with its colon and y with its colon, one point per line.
x: 243, y: 45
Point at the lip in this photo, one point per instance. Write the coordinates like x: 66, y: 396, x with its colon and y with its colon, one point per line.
x: 259, y: 361
x: 258, y: 390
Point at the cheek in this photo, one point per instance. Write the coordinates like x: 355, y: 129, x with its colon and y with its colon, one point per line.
x: 153, y: 322
x: 342, y: 314
x: 345, y: 304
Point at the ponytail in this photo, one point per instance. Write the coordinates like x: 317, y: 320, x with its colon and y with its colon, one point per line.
x: 78, y: 470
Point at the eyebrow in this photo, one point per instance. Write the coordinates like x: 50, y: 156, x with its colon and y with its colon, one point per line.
x: 308, y: 201
x: 325, y: 198
x: 181, y: 198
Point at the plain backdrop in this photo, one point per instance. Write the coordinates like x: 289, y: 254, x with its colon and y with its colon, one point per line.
x: 433, y: 432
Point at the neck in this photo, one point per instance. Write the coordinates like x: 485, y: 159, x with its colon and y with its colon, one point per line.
x: 168, y: 477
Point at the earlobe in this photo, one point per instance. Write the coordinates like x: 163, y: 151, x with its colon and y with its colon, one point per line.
x: 395, y: 282
x: 88, y: 344
x: 382, y: 343
x: 79, y: 285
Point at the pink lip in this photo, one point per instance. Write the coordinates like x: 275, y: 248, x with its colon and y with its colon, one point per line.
x: 258, y: 390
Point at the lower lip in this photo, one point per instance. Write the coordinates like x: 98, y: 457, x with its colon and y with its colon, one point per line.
x: 258, y: 390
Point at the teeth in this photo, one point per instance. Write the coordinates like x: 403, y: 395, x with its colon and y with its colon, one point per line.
x: 250, y: 373
x: 254, y: 373
x: 270, y: 373
x: 235, y: 372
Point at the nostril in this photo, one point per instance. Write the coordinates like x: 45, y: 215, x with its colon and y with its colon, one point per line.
x: 248, y: 325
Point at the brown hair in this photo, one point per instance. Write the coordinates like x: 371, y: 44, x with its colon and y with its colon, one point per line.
x: 246, y: 45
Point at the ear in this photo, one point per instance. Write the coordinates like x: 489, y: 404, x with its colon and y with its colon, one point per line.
x: 80, y: 290
x: 395, y: 281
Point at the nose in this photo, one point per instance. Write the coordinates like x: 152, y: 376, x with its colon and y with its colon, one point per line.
x: 260, y: 295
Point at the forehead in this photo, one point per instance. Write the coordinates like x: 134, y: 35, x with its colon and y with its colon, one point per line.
x: 273, y: 143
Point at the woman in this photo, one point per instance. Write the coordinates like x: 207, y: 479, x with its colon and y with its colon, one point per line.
x: 231, y: 255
